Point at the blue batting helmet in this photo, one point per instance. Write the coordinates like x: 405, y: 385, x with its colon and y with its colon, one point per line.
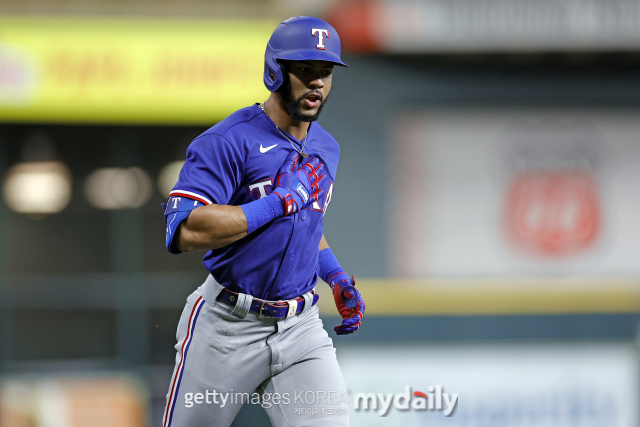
x: 302, y: 38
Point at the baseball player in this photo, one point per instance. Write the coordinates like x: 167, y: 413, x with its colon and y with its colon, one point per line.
x: 253, y: 192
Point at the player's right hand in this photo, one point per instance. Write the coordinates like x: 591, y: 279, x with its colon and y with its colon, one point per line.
x: 349, y: 303
x: 299, y: 187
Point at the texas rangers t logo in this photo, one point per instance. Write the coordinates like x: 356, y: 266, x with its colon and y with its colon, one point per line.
x: 260, y: 186
x: 320, y: 34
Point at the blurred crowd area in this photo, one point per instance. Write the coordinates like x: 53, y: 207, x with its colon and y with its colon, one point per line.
x: 486, y: 201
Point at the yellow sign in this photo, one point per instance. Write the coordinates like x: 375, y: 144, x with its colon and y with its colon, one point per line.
x: 99, y: 70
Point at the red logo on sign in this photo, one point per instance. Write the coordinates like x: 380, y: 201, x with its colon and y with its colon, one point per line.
x: 553, y: 212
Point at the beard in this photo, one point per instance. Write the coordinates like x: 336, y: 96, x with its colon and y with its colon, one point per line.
x: 293, y: 105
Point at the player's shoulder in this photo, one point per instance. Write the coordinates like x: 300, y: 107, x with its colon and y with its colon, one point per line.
x: 329, y: 146
x: 236, y: 123
x: 328, y: 141
x: 233, y: 129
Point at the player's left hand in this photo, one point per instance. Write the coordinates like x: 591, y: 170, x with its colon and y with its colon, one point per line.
x: 349, y: 303
x: 299, y: 187
x: 307, y: 185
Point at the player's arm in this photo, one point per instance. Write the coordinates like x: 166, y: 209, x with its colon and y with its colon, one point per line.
x: 348, y: 299
x: 193, y: 226
x: 323, y: 244
x: 211, y: 227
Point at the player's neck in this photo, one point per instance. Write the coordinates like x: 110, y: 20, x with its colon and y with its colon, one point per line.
x: 278, y: 113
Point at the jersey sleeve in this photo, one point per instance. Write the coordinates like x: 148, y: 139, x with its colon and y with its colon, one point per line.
x: 212, y: 171
x: 210, y: 175
x: 176, y: 210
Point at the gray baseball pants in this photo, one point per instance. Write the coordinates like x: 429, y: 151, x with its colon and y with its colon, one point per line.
x: 227, y: 357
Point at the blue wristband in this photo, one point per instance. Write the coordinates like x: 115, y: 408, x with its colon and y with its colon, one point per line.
x: 329, y: 268
x: 262, y: 211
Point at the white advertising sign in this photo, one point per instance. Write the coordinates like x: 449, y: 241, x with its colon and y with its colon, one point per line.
x: 505, y: 25
x: 498, y: 385
x: 511, y: 193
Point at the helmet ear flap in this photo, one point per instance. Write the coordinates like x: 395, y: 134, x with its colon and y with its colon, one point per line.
x: 273, y: 76
x: 284, y: 81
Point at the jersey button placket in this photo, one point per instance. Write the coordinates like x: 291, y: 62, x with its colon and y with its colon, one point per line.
x: 293, y: 253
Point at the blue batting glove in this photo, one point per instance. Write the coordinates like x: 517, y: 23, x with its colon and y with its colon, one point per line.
x: 299, y: 187
x: 349, y: 302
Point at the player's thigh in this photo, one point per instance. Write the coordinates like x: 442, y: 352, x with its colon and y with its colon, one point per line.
x: 199, y: 410
x: 220, y: 361
x: 310, y: 392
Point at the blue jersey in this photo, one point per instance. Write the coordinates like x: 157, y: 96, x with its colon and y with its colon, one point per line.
x: 236, y: 162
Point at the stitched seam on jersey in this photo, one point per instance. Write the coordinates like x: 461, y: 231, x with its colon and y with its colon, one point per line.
x: 243, y: 165
x: 233, y: 147
x: 232, y: 126
x: 173, y: 396
x: 222, y: 135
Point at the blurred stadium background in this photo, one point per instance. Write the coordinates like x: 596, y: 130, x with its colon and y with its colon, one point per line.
x: 487, y: 201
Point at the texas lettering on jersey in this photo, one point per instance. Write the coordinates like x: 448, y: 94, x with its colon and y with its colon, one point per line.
x: 236, y: 162
x: 264, y: 188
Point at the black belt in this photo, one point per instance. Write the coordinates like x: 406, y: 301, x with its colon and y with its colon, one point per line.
x: 276, y: 310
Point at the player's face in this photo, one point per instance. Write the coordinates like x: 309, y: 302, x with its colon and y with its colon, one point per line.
x: 308, y: 88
